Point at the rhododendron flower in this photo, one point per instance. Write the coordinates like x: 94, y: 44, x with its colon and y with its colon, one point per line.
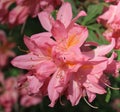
x: 9, y: 94
x: 53, y: 54
x: 110, y: 19
x: 56, y: 63
x: 18, y: 14
x: 5, y: 49
x: 60, y: 55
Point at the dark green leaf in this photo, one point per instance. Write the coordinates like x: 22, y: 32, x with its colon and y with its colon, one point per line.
x: 108, y: 96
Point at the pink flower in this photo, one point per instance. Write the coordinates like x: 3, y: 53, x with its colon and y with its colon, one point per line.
x: 18, y: 14
x: 56, y: 63
x: 110, y: 19
x: 9, y: 94
x: 58, y: 57
x: 5, y: 49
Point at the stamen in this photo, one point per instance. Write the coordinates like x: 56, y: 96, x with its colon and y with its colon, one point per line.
x: 22, y: 50
x: 111, y: 87
x: 63, y: 104
x: 89, y: 103
x: 23, y: 27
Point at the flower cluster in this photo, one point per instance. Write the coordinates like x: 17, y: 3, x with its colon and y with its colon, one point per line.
x: 15, y: 15
x: 61, y: 62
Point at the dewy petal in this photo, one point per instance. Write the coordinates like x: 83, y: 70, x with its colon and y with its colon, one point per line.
x: 33, y: 84
x: 104, y: 49
x: 58, y: 31
x: 28, y: 61
x: 45, y: 20
x: 74, y: 92
x: 65, y: 14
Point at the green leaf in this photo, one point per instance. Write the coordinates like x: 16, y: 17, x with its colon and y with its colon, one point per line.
x: 12, y: 72
x: 95, y: 34
x: 92, y: 12
x: 108, y: 96
x: 118, y: 54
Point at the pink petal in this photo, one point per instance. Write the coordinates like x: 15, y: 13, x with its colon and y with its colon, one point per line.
x: 43, y: 39
x: 28, y: 61
x: 44, y: 42
x: 81, y: 13
x: 46, y: 68
x: 56, y: 85
x: 28, y: 101
x: 59, y: 32
x: 77, y: 36
x: 104, y: 49
x: 74, y: 92
x: 93, y: 67
x: 31, y: 45
x: 94, y: 88
x: 33, y: 84
x: 65, y: 14
x: 91, y: 96
x: 45, y: 20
